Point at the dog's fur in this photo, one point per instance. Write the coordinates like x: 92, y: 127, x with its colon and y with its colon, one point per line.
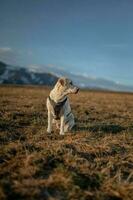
x: 58, y: 99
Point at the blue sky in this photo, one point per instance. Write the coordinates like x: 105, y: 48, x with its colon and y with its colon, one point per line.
x: 93, y: 37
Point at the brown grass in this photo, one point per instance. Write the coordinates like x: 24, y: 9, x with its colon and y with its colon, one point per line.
x: 93, y: 162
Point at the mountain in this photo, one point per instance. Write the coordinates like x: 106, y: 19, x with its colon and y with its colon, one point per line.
x: 48, y: 75
x: 17, y: 75
x: 83, y: 81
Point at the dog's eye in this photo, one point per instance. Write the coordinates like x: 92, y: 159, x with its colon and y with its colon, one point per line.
x: 71, y: 83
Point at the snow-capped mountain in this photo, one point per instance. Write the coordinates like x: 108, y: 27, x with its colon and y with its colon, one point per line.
x: 83, y: 81
x: 48, y: 75
x: 17, y: 75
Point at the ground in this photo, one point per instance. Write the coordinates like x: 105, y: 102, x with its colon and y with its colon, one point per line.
x: 94, y: 161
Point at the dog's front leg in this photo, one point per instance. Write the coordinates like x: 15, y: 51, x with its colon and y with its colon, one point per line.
x: 50, y: 118
x: 62, y: 125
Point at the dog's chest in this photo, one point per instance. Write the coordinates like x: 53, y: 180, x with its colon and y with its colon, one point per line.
x: 57, y: 107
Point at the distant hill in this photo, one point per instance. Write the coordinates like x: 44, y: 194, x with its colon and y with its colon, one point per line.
x: 48, y: 75
x: 2, y: 67
x: 18, y: 75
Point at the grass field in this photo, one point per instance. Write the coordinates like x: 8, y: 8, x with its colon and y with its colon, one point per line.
x: 93, y: 162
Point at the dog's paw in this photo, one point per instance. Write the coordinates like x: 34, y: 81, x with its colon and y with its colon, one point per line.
x: 49, y: 131
x: 62, y: 133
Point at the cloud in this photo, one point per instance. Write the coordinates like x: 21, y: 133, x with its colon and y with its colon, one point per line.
x: 51, y: 65
x: 4, y: 50
x: 7, y: 54
x: 14, y: 56
x: 56, y: 66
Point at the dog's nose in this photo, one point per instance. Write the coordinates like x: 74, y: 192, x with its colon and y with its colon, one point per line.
x: 77, y: 90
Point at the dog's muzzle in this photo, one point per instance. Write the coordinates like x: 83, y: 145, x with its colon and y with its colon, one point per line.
x: 77, y: 89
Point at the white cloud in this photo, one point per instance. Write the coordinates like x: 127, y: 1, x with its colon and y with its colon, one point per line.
x: 7, y: 54
x: 51, y: 65
x: 10, y: 55
x: 4, y: 50
x: 118, y: 82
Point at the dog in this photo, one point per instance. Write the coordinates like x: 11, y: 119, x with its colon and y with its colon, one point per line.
x: 58, y: 106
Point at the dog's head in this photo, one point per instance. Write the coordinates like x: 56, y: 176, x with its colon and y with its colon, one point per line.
x: 66, y: 86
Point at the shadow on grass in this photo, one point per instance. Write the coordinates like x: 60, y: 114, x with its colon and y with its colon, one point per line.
x: 8, y: 125
x: 92, y: 155
x: 10, y: 132
x: 83, y: 181
x: 105, y: 128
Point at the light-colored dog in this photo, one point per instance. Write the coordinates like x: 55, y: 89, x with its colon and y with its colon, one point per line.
x: 59, y: 110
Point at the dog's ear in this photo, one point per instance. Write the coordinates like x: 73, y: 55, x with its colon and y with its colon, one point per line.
x: 61, y: 81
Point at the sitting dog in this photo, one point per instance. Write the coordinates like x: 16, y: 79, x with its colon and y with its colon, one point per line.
x: 59, y: 110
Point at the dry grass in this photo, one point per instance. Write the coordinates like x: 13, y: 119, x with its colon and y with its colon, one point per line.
x: 93, y: 162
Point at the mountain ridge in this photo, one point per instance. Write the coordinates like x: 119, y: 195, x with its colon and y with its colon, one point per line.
x: 48, y: 75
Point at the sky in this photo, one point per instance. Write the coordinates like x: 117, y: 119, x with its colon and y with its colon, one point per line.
x: 90, y: 37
